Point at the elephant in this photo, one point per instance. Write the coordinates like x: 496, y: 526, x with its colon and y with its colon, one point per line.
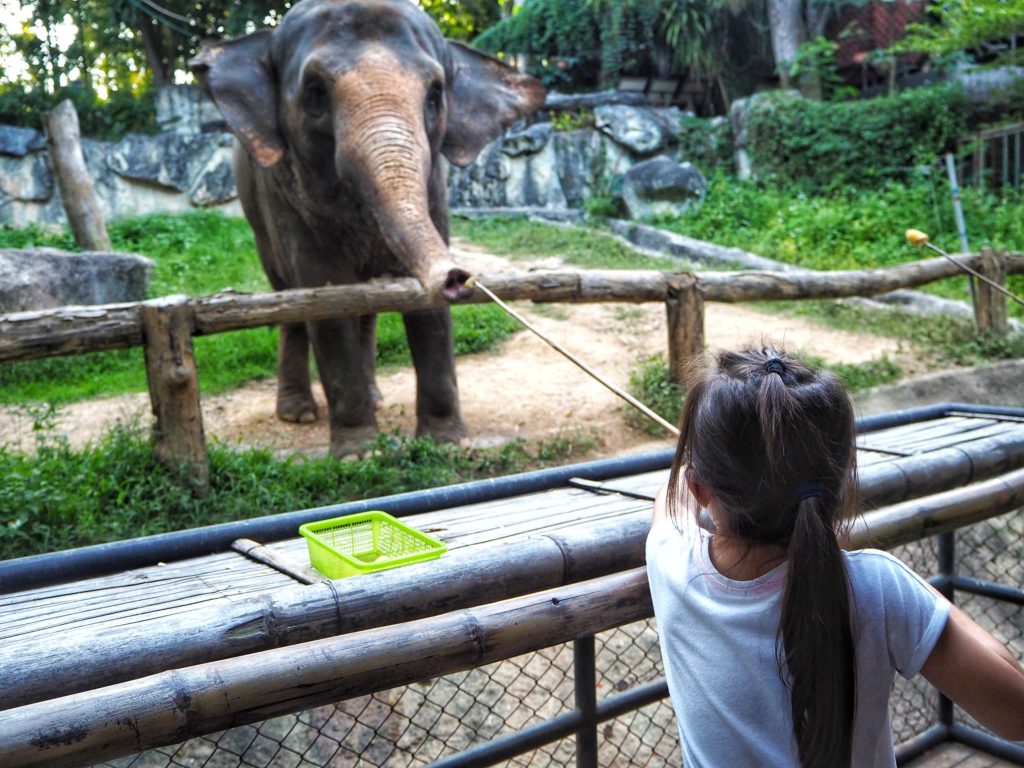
x: 343, y: 116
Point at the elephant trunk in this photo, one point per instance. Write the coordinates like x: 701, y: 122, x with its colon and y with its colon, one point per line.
x: 391, y: 158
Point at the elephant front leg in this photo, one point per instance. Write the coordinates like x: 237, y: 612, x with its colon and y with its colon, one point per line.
x: 294, y: 394
x: 437, y: 394
x: 340, y: 359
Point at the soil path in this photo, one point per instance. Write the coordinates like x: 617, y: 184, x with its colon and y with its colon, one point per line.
x: 523, y: 389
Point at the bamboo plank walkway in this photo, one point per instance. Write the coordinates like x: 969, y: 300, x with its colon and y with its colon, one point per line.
x: 957, y: 756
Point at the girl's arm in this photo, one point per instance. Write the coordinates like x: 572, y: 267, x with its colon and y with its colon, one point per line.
x: 979, y: 674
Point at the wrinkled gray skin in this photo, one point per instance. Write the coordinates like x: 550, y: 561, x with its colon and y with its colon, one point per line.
x: 342, y: 113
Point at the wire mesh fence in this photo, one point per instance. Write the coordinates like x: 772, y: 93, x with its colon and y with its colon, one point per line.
x: 422, y: 723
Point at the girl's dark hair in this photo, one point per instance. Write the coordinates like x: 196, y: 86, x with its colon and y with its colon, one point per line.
x: 775, y: 442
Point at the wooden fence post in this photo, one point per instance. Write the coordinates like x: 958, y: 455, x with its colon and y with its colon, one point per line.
x: 76, y: 191
x: 990, y: 308
x: 178, y: 439
x: 685, y: 309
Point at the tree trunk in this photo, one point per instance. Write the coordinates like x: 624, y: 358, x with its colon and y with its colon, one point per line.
x: 73, y: 180
x: 154, y: 50
x: 786, y: 20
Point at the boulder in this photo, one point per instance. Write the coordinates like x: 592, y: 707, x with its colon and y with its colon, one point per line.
x: 661, y: 186
x: 18, y: 142
x: 172, y: 159
x: 185, y: 108
x: 635, y: 128
x: 739, y: 118
x: 528, y: 141
x: 40, y: 278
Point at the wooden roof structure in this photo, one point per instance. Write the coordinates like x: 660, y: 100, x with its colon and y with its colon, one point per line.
x: 920, y: 471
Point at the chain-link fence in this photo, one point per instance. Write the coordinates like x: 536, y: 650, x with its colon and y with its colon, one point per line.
x: 425, y: 722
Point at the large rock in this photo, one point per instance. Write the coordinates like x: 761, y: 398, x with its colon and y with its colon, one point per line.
x: 662, y: 187
x: 635, y: 128
x: 39, y: 278
x: 739, y: 117
x: 185, y: 108
x: 173, y: 159
x: 18, y: 142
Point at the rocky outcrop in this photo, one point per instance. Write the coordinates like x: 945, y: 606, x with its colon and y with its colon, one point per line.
x: 38, y: 278
x: 188, y: 164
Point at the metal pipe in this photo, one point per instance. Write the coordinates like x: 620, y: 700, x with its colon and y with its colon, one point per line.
x: 947, y: 569
x: 924, y: 741
x: 585, y: 692
x: 986, y: 742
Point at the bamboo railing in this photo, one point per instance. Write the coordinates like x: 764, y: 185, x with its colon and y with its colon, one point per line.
x: 166, y: 326
x: 169, y: 707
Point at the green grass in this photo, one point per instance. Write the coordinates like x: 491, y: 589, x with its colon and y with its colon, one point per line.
x: 855, y: 229
x: 579, y: 246
x: 199, y: 254
x: 61, y: 497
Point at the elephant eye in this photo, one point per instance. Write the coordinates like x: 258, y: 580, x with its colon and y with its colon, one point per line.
x: 314, y: 98
x: 435, y: 99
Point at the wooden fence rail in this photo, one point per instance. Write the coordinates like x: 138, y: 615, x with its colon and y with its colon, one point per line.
x: 165, y: 326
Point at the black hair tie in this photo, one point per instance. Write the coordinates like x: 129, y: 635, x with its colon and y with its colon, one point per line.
x: 812, y: 490
x: 775, y: 365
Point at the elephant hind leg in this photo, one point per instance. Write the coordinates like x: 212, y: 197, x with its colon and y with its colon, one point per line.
x: 295, y: 401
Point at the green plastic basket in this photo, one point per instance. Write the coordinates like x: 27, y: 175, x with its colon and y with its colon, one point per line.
x: 366, y: 542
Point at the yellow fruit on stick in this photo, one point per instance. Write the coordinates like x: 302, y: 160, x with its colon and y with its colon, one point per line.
x: 916, y: 237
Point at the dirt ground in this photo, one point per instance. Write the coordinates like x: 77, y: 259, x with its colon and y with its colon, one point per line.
x: 524, y: 389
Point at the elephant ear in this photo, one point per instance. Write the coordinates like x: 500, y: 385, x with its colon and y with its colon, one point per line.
x: 238, y: 76
x: 484, y: 98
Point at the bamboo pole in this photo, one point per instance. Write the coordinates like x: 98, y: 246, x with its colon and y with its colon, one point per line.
x: 73, y: 180
x: 173, y: 706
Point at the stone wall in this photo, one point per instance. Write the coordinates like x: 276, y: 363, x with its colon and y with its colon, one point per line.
x: 188, y: 164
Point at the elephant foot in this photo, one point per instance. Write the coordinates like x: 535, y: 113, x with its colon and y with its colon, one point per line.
x: 298, y: 408
x: 443, y: 430
x: 349, y: 442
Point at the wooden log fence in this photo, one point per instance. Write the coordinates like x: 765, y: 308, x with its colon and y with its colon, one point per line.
x: 172, y: 706
x: 169, y: 323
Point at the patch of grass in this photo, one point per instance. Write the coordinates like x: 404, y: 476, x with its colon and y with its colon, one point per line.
x: 651, y: 384
x: 854, y: 229
x: 580, y: 246
x: 940, y: 339
x: 59, y: 497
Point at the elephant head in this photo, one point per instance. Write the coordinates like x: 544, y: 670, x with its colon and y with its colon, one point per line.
x: 353, y: 100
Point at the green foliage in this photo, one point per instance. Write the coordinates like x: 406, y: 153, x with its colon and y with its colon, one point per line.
x: 651, y: 383
x: 572, y: 121
x: 825, y: 146
x: 962, y: 25
x: 56, y: 497
x: 815, y: 61
x: 708, y: 144
x: 462, y: 19
x: 110, y: 119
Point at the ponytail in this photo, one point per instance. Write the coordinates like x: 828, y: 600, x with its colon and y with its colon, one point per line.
x: 817, y: 639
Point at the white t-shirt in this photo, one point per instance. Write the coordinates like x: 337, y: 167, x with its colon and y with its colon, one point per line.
x: 718, y: 642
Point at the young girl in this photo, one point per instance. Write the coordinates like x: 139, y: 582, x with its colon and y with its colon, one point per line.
x: 780, y: 649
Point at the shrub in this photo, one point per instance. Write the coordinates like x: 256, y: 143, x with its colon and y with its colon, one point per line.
x: 112, y: 118
x: 823, y: 146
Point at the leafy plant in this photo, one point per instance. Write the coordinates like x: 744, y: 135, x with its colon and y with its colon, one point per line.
x: 564, y: 120
x: 826, y: 146
x: 651, y: 383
